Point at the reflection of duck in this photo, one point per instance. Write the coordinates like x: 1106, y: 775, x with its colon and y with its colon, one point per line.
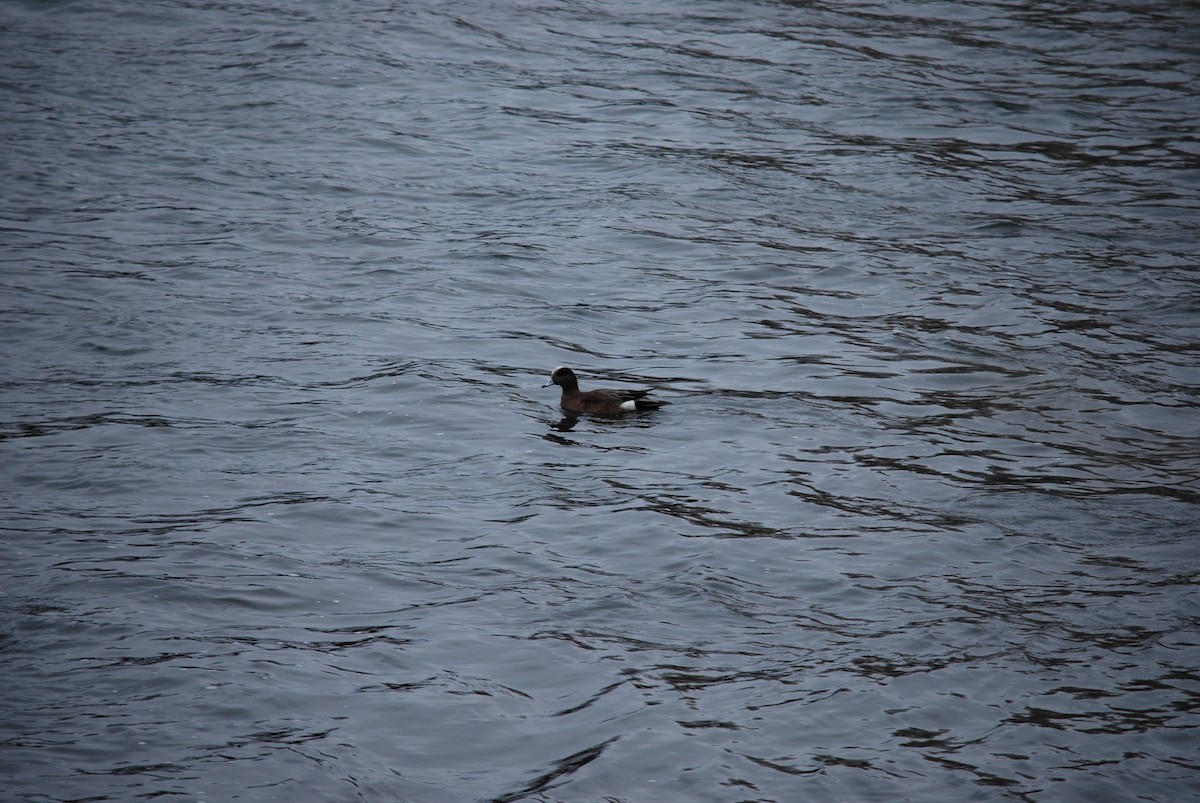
x: 608, y: 402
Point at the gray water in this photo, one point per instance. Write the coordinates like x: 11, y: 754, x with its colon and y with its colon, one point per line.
x: 288, y: 515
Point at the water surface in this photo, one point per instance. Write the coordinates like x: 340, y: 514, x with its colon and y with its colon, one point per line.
x: 286, y: 511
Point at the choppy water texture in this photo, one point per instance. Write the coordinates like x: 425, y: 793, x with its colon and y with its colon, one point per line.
x: 287, y: 515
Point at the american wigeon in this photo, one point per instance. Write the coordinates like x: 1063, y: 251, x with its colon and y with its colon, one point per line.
x: 609, y: 402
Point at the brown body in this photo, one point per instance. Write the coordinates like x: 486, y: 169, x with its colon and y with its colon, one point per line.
x: 605, y: 402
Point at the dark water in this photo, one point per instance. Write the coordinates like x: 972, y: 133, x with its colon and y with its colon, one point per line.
x: 286, y: 514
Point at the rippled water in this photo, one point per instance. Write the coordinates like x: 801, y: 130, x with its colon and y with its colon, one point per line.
x: 286, y: 511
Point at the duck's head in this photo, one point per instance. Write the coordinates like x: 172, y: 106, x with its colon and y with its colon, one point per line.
x: 564, y: 376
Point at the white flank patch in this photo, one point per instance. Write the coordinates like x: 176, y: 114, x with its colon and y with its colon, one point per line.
x: 629, y: 405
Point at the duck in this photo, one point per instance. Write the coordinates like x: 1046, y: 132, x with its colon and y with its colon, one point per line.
x: 601, y: 400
